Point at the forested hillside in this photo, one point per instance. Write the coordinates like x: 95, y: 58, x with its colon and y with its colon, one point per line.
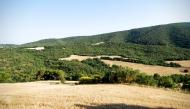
x: 177, y: 35
x: 149, y: 45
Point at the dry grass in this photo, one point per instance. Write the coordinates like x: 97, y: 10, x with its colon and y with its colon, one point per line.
x: 80, y: 58
x: 149, y: 69
x: 185, y: 63
x: 73, y: 57
x: 45, y: 95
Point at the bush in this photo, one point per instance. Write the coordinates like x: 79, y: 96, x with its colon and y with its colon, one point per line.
x: 177, y: 78
x: 185, y: 70
x: 171, y: 64
x: 22, y: 76
x: 97, y: 79
x: 5, y: 77
x: 156, y: 76
x: 166, y: 82
x: 131, y: 75
x: 186, y: 85
x: 62, y: 76
x: 110, y: 77
x: 75, y: 76
x: 186, y: 82
x: 122, y: 76
x: 50, y: 75
x: 86, y: 80
x: 146, y: 80
x: 75, y: 69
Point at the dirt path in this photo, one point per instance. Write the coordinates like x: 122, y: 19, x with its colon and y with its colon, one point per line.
x: 51, y: 95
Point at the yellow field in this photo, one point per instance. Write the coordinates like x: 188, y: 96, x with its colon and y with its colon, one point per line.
x: 48, y: 95
x: 185, y: 63
x: 149, y: 69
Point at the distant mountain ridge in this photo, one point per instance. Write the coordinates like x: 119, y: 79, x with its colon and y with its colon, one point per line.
x: 175, y: 34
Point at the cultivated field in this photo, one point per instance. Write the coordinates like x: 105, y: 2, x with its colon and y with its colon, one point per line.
x: 149, y: 69
x: 50, y: 95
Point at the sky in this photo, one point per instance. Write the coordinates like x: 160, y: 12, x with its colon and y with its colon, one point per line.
x: 23, y: 21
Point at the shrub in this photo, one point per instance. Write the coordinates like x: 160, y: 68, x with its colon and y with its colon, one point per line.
x: 5, y: 77
x: 120, y: 75
x: 117, y: 74
x: 131, y: 75
x: 39, y: 75
x: 156, y: 76
x: 75, y: 76
x: 22, y: 76
x: 75, y: 69
x: 97, y: 79
x: 50, y: 75
x: 186, y: 85
x: 86, y: 80
x: 172, y: 64
x: 186, y: 82
x: 166, y: 82
x: 177, y: 78
x: 146, y: 80
x: 112, y: 77
x: 185, y: 70
x: 62, y: 76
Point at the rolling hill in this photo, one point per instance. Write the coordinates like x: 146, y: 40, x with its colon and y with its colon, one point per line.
x: 175, y: 35
x: 148, y: 44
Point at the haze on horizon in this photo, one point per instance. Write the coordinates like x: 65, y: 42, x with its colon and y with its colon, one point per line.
x: 23, y: 21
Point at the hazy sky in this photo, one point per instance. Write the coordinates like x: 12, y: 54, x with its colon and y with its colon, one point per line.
x: 24, y: 21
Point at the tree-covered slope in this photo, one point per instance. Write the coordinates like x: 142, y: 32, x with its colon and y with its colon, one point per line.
x: 150, y: 45
x: 172, y: 34
x: 176, y: 35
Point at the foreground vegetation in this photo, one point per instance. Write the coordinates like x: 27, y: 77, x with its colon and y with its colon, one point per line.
x: 116, y: 74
